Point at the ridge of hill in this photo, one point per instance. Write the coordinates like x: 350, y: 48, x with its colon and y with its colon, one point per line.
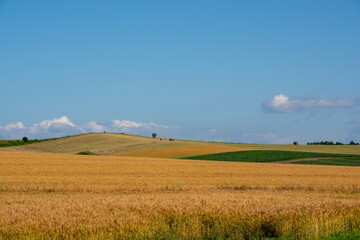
x: 98, y: 143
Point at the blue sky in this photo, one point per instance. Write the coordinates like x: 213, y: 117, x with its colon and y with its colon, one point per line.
x: 240, y: 71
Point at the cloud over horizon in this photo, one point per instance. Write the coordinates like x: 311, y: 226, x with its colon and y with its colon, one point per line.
x: 60, y: 127
x: 284, y: 104
x: 56, y: 127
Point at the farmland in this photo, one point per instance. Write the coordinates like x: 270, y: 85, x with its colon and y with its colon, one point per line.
x: 132, y: 145
x: 183, y: 151
x: 340, y: 149
x: 281, y: 156
x: 74, y: 196
x: 98, y: 143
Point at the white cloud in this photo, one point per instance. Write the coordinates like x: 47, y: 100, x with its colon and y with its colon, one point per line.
x: 94, y: 127
x: 56, y: 121
x: 125, y: 124
x: 12, y: 130
x: 62, y: 126
x: 13, y: 126
x: 56, y: 127
x: 284, y: 104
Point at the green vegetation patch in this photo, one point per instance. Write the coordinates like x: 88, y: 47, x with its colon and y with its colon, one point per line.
x: 271, y: 156
x: 10, y: 143
x: 344, y: 236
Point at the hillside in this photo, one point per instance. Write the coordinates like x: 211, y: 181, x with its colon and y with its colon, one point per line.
x: 99, y: 143
x: 138, y: 146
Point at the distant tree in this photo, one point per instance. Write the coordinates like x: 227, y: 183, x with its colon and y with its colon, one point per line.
x: 25, y: 139
x: 296, y: 143
x: 353, y: 143
x: 154, y: 135
x: 325, y: 143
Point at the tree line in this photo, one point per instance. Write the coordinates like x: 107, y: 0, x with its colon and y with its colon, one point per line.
x: 332, y: 143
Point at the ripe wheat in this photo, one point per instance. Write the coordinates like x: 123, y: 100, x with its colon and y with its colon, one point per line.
x: 69, y: 196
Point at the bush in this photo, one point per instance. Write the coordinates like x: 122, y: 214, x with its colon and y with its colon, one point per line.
x: 86, y: 153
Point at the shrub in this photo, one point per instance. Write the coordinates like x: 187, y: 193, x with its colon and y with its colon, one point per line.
x: 86, y: 153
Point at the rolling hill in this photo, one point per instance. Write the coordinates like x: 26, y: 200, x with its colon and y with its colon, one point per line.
x: 98, y: 143
x: 138, y: 146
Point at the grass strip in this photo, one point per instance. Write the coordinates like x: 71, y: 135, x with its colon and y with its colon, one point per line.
x: 353, y: 235
x: 10, y: 143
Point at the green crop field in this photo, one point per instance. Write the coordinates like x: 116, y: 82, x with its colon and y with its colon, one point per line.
x: 278, y: 156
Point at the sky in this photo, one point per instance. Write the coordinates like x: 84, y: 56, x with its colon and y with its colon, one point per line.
x: 239, y: 71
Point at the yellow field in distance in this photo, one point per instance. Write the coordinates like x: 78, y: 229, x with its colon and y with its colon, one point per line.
x: 341, y: 149
x: 183, y: 151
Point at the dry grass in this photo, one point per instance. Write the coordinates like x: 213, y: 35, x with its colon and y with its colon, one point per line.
x: 183, y: 151
x: 71, y: 196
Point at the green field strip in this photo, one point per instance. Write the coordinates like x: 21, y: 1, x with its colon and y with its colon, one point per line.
x: 269, y: 156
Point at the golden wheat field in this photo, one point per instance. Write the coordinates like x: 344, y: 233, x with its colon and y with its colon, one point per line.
x: 61, y: 196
